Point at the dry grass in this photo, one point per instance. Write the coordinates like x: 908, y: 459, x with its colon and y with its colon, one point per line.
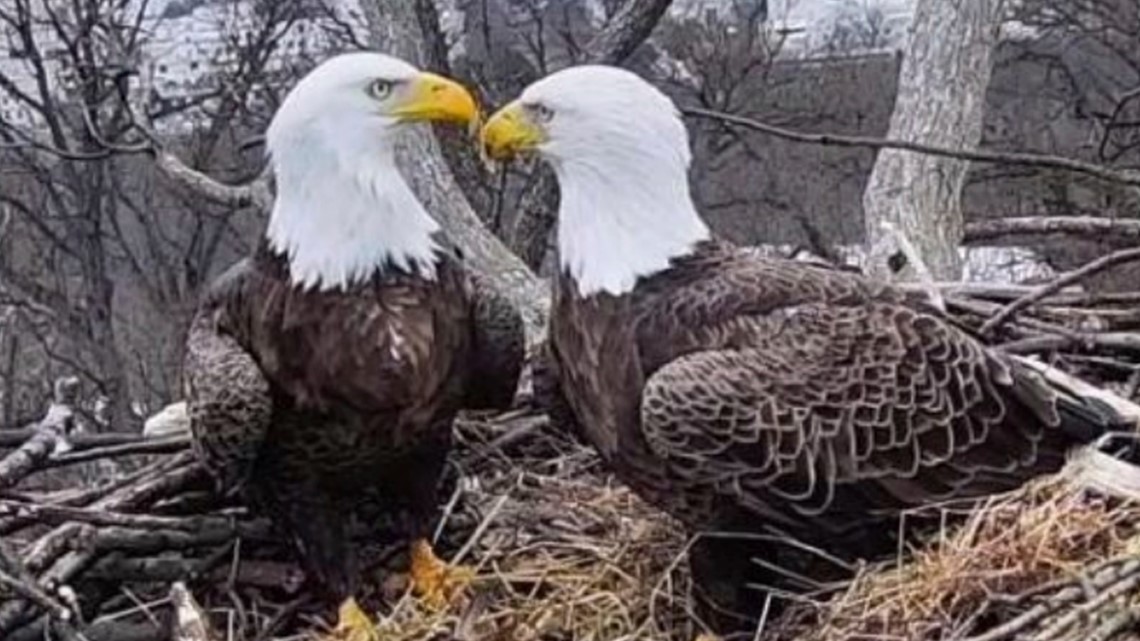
x: 1041, y: 554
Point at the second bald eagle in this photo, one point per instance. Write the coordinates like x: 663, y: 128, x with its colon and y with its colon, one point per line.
x: 752, y: 395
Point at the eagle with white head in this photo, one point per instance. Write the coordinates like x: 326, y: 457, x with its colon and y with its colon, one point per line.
x: 773, y: 398
x: 323, y: 372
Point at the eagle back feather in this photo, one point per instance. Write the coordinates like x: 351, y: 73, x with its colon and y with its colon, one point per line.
x: 806, y: 396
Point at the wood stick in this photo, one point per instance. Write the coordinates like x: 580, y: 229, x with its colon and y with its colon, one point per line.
x: 1070, y: 278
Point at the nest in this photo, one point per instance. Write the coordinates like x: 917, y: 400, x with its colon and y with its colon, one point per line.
x: 92, y: 539
x: 1052, y: 561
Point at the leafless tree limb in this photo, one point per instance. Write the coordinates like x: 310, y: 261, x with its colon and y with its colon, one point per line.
x: 1110, y: 230
x: 1121, y: 176
x: 18, y: 579
x: 58, y: 421
x: 237, y: 196
x: 1075, y: 276
x: 628, y: 28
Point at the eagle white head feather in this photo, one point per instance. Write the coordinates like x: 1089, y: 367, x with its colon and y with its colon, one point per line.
x: 621, y: 154
x: 342, y: 209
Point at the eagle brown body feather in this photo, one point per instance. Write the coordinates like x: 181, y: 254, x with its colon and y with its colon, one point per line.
x: 755, y: 395
x: 333, y: 409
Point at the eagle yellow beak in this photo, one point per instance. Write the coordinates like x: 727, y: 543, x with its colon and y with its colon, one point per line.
x: 435, y: 98
x: 509, y: 132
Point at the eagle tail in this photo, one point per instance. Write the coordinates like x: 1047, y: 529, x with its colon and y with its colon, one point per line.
x: 1060, y: 401
x: 1086, y: 419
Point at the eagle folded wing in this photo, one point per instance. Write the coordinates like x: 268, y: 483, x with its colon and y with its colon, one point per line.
x: 851, y: 408
x: 499, y: 347
x: 229, y: 402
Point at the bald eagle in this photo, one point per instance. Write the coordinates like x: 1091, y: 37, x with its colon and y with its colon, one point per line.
x: 767, y: 397
x: 323, y: 372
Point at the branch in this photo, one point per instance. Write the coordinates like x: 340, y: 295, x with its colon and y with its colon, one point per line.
x: 630, y: 27
x: 1125, y: 177
x: 16, y: 577
x: 78, y: 442
x: 147, y: 446
x: 1103, y: 229
x: 236, y: 196
x: 60, y: 514
x: 1075, y: 276
x: 55, y: 425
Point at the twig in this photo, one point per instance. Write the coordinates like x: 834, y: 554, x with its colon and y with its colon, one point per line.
x: 1126, y: 618
x: 17, y: 578
x: 1115, y: 342
x: 1104, y: 596
x: 1069, y: 278
x: 27, y: 459
x: 1126, y: 177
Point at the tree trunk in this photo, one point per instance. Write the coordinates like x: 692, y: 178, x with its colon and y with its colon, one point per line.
x: 394, y: 28
x: 941, y: 101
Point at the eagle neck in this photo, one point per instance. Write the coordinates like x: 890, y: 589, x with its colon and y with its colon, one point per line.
x: 620, y: 221
x: 343, y: 215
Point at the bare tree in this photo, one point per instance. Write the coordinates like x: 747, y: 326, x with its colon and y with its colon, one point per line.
x: 106, y: 259
x: 941, y: 100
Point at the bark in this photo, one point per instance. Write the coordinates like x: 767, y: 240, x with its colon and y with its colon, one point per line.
x: 941, y: 101
x: 395, y: 28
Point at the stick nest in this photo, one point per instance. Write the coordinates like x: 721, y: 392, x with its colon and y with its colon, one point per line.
x: 562, y: 551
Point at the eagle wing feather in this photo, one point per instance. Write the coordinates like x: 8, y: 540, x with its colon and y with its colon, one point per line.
x: 817, y: 406
x: 498, y: 347
x: 229, y: 403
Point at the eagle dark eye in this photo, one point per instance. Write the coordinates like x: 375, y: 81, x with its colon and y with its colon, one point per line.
x: 540, y: 112
x: 380, y: 89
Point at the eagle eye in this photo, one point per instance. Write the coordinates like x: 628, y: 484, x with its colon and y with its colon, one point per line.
x: 380, y: 89
x: 540, y: 112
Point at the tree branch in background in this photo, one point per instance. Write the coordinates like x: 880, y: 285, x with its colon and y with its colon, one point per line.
x: 628, y: 28
x: 236, y: 196
x: 1107, y: 230
x: 1070, y: 278
x: 55, y: 425
x: 1044, y: 161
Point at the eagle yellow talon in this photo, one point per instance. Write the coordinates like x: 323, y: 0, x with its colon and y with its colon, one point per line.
x: 352, y: 624
x: 435, y: 582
